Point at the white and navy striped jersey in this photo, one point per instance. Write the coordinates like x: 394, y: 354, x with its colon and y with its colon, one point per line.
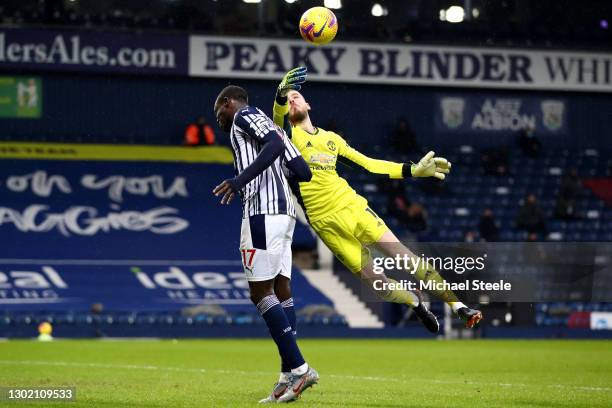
x: 269, y: 192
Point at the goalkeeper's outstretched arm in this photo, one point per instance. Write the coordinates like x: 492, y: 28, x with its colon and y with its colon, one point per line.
x: 348, y: 155
x: 291, y: 81
x: 428, y: 166
x: 280, y: 112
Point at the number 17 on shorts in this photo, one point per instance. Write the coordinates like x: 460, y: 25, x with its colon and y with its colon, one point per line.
x: 247, y: 260
x: 265, y: 246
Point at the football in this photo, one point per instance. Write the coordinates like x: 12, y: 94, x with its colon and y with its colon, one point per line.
x: 318, y: 25
x: 45, y: 328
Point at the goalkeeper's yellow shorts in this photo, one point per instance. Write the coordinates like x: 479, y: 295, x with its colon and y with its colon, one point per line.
x: 349, y: 231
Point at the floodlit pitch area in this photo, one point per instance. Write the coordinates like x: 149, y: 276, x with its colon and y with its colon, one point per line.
x: 354, y: 373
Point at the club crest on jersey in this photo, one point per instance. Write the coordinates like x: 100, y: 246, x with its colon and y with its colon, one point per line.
x: 331, y: 145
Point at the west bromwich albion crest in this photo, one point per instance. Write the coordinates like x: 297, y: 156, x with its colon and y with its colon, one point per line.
x: 452, y: 111
x: 552, y: 114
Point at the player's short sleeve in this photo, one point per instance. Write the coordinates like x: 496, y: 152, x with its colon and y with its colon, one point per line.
x: 255, y: 123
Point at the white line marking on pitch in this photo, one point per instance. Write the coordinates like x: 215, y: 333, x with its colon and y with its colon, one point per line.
x: 242, y: 372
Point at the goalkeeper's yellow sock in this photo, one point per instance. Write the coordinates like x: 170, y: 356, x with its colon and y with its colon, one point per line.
x: 425, y: 272
x: 398, y: 295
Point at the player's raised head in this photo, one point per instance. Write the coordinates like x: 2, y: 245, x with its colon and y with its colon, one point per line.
x: 298, y: 107
x: 230, y: 99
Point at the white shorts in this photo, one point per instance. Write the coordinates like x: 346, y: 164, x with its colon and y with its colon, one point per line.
x: 265, y: 246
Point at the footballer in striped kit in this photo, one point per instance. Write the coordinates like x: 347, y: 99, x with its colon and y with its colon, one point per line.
x: 262, y: 151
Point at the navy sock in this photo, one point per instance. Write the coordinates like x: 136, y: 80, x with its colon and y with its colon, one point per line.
x: 281, y: 331
x: 290, y: 312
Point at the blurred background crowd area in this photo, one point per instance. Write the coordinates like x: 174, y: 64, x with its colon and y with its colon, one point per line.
x: 521, y: 23
x: 523, y: 184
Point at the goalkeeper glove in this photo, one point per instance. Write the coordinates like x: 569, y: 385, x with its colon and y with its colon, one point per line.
x: 431, y: 166
x: 291, y: 82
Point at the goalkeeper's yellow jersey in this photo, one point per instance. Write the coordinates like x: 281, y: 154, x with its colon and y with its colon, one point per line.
x: 327, y: 192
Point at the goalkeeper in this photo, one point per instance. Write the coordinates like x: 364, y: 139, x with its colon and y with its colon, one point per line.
x: 341, y: 217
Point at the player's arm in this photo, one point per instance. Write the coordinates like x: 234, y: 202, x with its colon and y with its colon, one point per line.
x: 280, y: 112
x: 291, y: 81
x: 295, y: 163
x: 428, y: 166
x: 272, y: 147
x: 349, y: 155
x: 431, y: 166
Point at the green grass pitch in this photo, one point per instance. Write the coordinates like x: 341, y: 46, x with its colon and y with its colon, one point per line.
x: 354, y: 373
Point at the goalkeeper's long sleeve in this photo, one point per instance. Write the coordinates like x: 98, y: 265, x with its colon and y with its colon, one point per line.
x: 392, y: 169
x: 279, y: 113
